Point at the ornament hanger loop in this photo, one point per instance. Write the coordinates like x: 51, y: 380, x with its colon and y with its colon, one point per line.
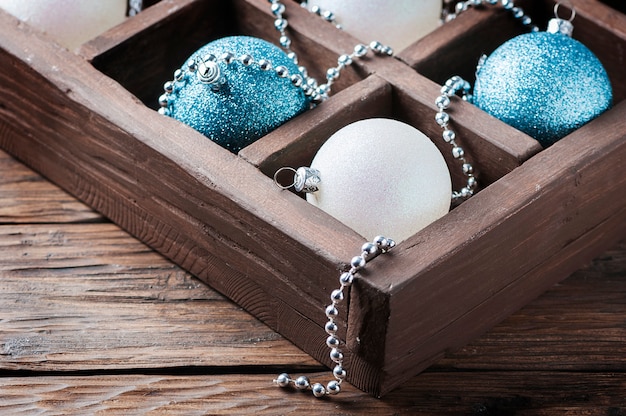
x: 569, y: 5
x: 305, y: 179
x: 279, y: 171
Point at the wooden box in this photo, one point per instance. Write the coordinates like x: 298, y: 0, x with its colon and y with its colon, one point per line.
x: 87, y: 121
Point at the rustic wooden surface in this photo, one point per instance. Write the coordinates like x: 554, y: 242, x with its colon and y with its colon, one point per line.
x: 94, y: 322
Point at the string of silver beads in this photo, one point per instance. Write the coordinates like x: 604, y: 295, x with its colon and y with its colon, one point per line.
x: 450, y: 88
x: 208, y: 71
x: 332, y: 74
x: 509, y: 5
x: 134, y: 7
x: 326, y: 15
x: 369, y: 251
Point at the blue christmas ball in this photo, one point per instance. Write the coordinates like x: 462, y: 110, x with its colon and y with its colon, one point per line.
x: 544, y: 84
x: 244, y: 100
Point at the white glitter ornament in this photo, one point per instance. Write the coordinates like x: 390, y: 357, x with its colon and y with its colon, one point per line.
x: 69, y: 22
x: 381, y: 176
x: 395, y: 23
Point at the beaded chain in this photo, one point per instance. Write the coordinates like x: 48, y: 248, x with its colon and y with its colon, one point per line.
x: 450, y: 88
x: 327, y: 15
x: 208, y: 71
x: 332, y: 74
x: 457, y: 84
x: 134, y: 7
x: 369, y: 251
x: 516, y: 11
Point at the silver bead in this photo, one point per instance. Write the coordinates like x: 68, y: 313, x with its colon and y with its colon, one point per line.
x: 227, y: 57
x: 328, y: 15
x: 311, y: 82
x: 332, y: 74
x: 507, y: 4
x: 336, y: 355
x: 447, y: 90
x: 303, y: 71
x: 168, y: 86
x: 323, y: 89
x: 332, y: 341
x: 282, y: 380
x: 296, y: 80
x: 246, y: 59
x: 458, y: 152
x: 179, y: 75
x: 442, y: 102
x: 360, y: 50
x: 358, y: 262
x: 164, y: 100
x: 339, y: 372
x: 293, y: 57
x: 318, y: 390
x: 265, y: 65
x: 282, y: 71
x: 344, y: 60
x: 369, y: 250
x: 448, y: 135
x: 442, y: 118
x: 472, y: 183
x: 386, y: 50
x: 333, y: 387
x: 280, y: 24
x: 277, y: 9
x: 336, y: 296
x: 346, y: 279
x: 284, y: 41
x: 302, y: 383
x: 317, y: 10
x: 376, y: 46
x: 526, y: 21
x: 517, y: 12
x: 192, y: 66
x: 465, y: 192
x: 331, y: 311
x: 331, y: 328
x: 381, y: 242
x: 468, y: 169
x: 164, y: 111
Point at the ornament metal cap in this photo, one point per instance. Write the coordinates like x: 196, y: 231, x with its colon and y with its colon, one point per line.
x: 562, y: 26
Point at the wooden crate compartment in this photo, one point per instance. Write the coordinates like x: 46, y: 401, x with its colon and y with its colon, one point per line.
x: 87, y: 122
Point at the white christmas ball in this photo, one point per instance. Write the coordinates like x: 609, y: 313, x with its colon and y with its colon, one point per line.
x: 69, y: 22
x: 396, y: 23
x: 382, y: 177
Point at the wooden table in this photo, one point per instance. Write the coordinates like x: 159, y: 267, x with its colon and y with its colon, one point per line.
x: 94, y: 322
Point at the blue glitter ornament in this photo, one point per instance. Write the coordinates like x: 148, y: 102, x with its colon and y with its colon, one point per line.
x: 235, y: 90
x: 545, y: 84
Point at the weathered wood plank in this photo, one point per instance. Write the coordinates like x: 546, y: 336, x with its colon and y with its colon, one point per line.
x: 77, y: 297
x: 26, y: 197
x: 440, y: 393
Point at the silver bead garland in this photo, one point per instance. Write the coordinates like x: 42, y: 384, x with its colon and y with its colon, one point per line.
x: 509, y: 5
x: 332, y: 74
x: 134, y: 7
x: 450, y: 88
x: 369, y: 251
x: 207, y: 69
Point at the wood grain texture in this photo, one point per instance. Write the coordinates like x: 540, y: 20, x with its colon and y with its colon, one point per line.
x: 89, y: 296
x: 442, y: 393
x: 26, y: 197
